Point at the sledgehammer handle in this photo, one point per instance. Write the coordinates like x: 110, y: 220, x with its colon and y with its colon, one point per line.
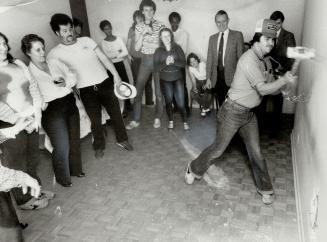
x: 295, y: 66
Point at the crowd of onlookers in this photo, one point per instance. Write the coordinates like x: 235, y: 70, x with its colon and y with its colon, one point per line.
x: 52, y: 90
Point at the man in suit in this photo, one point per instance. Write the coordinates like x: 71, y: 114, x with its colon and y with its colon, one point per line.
x: 283, y: 64
x: 224, y: 50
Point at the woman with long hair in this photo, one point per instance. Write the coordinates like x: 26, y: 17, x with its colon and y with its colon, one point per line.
x: 20, y: 98
x: 169, y: 60
x: 60, y: 119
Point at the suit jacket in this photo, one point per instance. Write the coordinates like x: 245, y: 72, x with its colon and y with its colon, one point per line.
x: 284, y: 40
x: 234, y: 50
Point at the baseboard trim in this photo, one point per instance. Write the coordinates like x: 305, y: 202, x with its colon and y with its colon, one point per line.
x: 297, y: 189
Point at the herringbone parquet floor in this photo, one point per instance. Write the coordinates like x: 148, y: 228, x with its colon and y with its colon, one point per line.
x: 141, y: 195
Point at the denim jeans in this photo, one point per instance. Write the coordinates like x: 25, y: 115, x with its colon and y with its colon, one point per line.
x: 146, y: 69
x: 135, y: 66
x: 171, y: 90
x: 95, y: 96
x: 233, y: 117
x: 61, y: 122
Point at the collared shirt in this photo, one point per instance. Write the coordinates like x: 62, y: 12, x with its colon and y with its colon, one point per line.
x: 49, y: 90
x: 226, y: 33
x: 181, y: 38
x: 150, y: 40
x: 250, y: 71
x: 81, y: 59
x: 278, y: 32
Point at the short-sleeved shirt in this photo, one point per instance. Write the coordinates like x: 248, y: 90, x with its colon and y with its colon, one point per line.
x: 150, y: 41
x: 115, y: 50
x: 250, y: 71
x: 81, y: 59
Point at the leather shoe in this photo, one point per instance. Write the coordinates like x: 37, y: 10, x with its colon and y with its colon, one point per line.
x: 125, y: 145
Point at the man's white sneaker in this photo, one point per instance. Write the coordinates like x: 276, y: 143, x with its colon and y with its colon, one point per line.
x: 267, y: 197
x: 156, y: 123
x: 186, y: 127
x: 190, y: 176
x: 132, y: 125
x: 171, y: 125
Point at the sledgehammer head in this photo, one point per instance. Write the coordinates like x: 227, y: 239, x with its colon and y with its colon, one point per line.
x: 300, y: 52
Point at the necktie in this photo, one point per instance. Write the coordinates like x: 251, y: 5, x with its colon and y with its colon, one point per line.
x: 220, y: 52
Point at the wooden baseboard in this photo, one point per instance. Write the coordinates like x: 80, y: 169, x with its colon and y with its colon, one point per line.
x: 297, y: 190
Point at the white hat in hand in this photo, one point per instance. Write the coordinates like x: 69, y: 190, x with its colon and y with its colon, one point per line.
x: 125, y: 91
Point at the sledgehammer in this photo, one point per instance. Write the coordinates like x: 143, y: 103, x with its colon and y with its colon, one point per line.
x: 298, y: 53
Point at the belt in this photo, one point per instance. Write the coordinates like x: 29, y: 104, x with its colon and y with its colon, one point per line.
x: 232, y: 102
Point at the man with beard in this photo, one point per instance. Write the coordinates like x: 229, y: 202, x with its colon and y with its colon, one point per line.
x: 84, y: 57
x: 252, y: 80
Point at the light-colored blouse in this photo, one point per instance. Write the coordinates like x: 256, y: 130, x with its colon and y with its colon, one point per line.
x: 49, y: 90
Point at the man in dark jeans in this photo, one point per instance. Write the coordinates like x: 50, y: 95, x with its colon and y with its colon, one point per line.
x: 252, y: 80
x: 86, y: 59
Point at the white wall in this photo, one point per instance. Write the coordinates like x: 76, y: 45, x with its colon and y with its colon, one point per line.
x: 33, y: 18
x: 310, y: 134
x: 198, y: 18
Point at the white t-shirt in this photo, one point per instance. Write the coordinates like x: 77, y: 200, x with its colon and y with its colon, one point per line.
x: 181, y: 38
x: 201, y: 73
x: 82, y: 60
x: 49, y: 90
x: 115, y: 50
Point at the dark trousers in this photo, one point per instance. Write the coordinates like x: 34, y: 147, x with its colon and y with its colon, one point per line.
x: 202, y: 96
x: 186, y: 102
x: 22, y: 153
x: 171, y: 90
x: 61, y: 122
x: 273, y: 122
x: 95, y: 96
x: 120, y: 67
x: 135, y: 66
x: 220, y: 90
x: 9, y: 225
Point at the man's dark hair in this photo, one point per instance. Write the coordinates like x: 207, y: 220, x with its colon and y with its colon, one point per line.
x: 10, y: 58
x: 26, y: 42
x: 77, y: 22
x: 277, y: 15
x: 59, y: 19
x: 190, y: 56
x: 256, y: 38
x: 174, y: 15
x: 148, y: 3
x: 221, y: 12
x: 104, y: 23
